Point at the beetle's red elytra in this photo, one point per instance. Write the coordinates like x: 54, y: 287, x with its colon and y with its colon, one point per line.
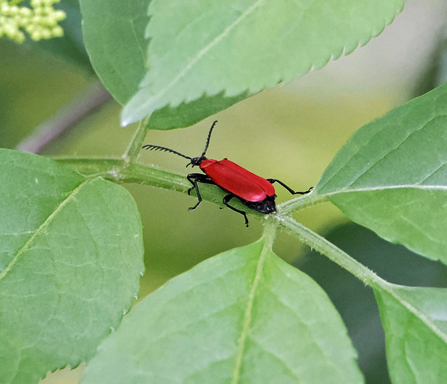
x: 237, y: 180
x: 252, y: 190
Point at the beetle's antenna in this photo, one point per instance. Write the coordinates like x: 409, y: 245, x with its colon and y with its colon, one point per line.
x: 208, y: 139
x: 164, y: 149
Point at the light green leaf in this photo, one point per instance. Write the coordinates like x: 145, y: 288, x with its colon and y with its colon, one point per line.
x: 70, y: 260
x: 415, y: 324
x: 114, y: 37
x: 391, y: 176
x: 244, y: 316
x: 235, y: 46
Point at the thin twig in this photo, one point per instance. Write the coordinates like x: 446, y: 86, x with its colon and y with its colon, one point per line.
x: 65, y: 119
x: 136, y: 143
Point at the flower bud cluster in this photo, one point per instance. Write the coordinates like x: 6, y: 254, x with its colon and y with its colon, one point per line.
x: 41, y: 22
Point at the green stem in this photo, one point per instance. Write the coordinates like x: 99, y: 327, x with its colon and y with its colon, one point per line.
x: 301, y: 202
x: 121, y: 171
x: 334, y: 253
x: 136, y: 143
x: 269, y: 233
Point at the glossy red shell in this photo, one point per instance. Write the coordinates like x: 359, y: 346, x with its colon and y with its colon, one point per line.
x: 237, y: 180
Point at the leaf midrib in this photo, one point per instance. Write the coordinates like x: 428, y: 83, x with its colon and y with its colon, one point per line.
x: 41, y: 228
x: 247, y: 315
x: 420, y: 315
x: 385, y: 187
x: 205, y: 49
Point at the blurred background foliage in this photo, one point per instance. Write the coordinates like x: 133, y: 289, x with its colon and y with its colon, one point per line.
x: 291, y: 133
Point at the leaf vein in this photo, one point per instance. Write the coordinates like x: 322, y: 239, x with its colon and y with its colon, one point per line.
x: 206, y: 49
x: 387, y: 187
x: 396, y: 147
x: 310, y: 330
x: 283, y: 363
x: 247, y: 315
x: 41, y: 229
x: 425, y: 319
x: 433, y: 172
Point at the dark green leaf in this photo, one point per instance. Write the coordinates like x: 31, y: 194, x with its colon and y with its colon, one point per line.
x: 70, y: 259
x: 187, y: 114
x: 114, y: 37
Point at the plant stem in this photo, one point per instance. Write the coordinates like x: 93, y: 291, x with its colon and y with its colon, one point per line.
x: 120, y: 171
x: 123, y: 171
x: 269, y: 233
x: 136, y: 143
x: 301, y: 202
x: 334, y: 253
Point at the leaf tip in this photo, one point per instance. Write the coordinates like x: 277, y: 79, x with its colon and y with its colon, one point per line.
x: 125, y: 119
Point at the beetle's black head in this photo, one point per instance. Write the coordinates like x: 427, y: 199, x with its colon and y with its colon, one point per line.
x: 265, y: 206
x: 196, y: 161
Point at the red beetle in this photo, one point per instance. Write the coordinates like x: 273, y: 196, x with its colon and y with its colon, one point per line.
x: 252, y: 190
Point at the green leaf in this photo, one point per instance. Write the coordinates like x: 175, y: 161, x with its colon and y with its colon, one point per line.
x: 415, y: 324
x: 209, y: 47
x: 114, y: 37
x: 70, y: 259
x: 187, y: 114
x: 244, y: 316
x: 355, y: 301
x: 391, y: 176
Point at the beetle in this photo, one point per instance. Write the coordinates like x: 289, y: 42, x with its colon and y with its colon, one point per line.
x: 252, y: 190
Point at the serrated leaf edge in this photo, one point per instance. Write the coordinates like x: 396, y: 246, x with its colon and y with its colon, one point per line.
x: 125, y: 120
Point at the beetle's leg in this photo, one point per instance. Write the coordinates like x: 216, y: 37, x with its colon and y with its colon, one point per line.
x: 288, y: 188
x: 198, y: 177
x: 193, y: 178
x: 227, y: 199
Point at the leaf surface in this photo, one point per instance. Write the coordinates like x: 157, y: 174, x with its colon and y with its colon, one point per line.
x: 391, y: 176
x: 70, y: 261
x: 209, y: 47
x: 244, y: 316
x: 415, y: 324
x: 114, y: 37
